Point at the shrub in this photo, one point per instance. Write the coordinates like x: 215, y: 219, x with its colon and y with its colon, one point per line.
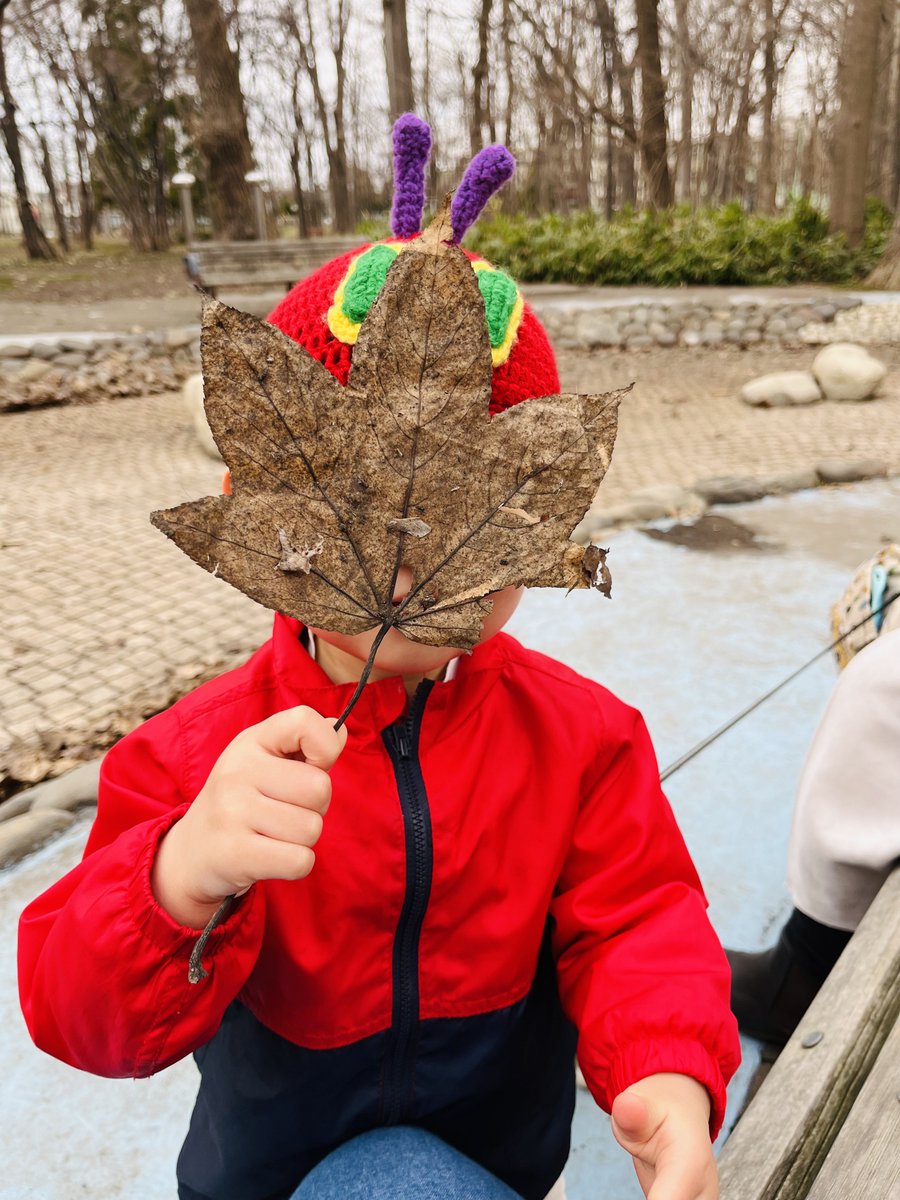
x: 725, y: 246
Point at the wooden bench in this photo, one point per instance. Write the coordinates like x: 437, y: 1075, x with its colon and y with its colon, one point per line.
x: 825, y: 1124
x: 215, y: 265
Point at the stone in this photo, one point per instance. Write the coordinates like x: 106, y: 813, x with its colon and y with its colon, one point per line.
x: 825, y: 312
x: 70, y: 359
x: 691, y: 337
x: 840, y: 471
x: 42, y: 350
x: 661, y: 334
x: 673, y: 499
x: 588, y: 523
x: 729, y: 489
x: 639, y: 341
x: 176, y: 338
x: 192, y: 394
x: 76, y: 345
x: 848, y: 372
x: 633, y: 329
x: 593, y: 330
x: 68, y: 792
x: 17, y: 804
x: 34, y: 369
x: 26, y: 832
x: 776, y: 325
x: 712, y: 335
x: 790, y: 481
x: 783, y: 389
x: 15, y: 350
x: 751, y: 336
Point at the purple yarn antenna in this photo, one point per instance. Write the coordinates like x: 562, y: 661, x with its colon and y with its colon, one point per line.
x: 485, y: 174
x: 412, y: 145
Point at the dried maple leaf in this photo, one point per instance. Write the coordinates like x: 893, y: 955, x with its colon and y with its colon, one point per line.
x: 334, y: 488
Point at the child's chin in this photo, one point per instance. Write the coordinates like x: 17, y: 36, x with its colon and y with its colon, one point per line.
x: 401, y: 656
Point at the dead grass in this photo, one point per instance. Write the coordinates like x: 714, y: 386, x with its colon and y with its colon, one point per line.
x: 110, y: 271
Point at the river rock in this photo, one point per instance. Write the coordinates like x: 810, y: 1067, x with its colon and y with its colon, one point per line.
x: 671, y: 499
x: 34, y: 369
x: 15, y: 350
x: 846, y: 371
x: 192, y: 393
x: 70, y: 791
x: 20, y: 835
x: 840, y: 471
x: 781, y: 390
x: 730, y: 489
x: 593, y: 330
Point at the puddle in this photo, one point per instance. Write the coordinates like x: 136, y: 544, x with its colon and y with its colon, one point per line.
x: 712, y: 533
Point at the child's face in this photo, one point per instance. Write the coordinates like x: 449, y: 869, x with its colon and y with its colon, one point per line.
x: 397, y: 655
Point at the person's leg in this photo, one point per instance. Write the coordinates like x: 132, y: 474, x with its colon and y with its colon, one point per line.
x: 400, y: 1163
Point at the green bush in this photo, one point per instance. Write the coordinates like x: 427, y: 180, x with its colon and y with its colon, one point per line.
x: 726, y: 246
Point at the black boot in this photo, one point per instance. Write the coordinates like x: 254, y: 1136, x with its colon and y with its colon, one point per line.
x: 771, y: 990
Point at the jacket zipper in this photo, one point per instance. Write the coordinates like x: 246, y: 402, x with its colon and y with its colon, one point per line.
x: 402, y: 742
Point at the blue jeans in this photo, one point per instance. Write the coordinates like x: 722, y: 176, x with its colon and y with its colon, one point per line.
x: 400, y: 1163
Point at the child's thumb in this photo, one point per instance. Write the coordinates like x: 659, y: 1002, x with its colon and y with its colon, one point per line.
x: 632, y: 1119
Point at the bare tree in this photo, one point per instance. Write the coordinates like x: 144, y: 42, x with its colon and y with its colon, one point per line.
x: 654, y: 137
x: 396, y: 52
x: 221, y: 134
x: 887, y: 274
x: 852, y: 130
x: 481, y: 111
x: 36, y: 244
x: 684, y: 157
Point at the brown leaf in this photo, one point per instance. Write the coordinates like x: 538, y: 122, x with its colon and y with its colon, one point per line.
x: 334, y: 488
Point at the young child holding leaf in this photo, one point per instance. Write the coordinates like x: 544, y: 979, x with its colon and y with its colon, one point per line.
x: 423, y: 875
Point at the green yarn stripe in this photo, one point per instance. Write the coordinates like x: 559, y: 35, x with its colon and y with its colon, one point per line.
x: 366, y: 282
x: 500, y: 294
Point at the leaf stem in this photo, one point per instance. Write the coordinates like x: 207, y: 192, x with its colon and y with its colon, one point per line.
x: 196, y: 970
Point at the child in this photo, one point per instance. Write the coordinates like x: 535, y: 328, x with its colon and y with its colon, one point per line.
x: 435, y: 905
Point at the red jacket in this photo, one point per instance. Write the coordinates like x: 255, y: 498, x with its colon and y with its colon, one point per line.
x: 513, y: 819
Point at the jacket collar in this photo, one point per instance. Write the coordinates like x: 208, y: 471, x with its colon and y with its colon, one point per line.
x: 302, y: 681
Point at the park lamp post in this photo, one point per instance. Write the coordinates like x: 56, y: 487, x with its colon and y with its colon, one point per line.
x: 184, y: 181
x: 256, y: 179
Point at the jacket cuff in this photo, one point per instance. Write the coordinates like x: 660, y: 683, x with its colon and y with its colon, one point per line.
x: 157, y: 925
x: 678, y: 1056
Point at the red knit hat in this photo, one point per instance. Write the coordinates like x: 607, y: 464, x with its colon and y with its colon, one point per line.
x: 323, y: 312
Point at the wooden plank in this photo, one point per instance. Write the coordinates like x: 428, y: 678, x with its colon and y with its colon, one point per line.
x: 864, y: 1162
x: 780, y: 1142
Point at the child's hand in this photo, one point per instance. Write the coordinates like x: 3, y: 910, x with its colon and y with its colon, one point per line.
x: 663, y: 1123
x: 258, y: 815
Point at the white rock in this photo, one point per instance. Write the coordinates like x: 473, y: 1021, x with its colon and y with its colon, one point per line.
x: 847, y: 372
x: 192, y: 392
x: 70, y: 791
x: 20, y: 835
x: 782, y: 389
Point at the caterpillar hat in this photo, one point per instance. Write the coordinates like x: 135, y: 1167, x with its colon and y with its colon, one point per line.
x: 324, y: 311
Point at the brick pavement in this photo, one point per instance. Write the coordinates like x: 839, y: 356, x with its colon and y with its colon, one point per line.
x: 104, y: 619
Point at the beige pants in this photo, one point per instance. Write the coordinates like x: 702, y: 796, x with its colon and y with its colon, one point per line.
x: 845, y: 838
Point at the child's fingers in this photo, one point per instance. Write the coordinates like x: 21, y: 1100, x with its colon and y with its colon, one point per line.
x: 302, y: 731
x: 286, y: 822
x: 292, y: 782
x: 268, y: 858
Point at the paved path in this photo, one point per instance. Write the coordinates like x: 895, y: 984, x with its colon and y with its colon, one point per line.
x: 104, y: 619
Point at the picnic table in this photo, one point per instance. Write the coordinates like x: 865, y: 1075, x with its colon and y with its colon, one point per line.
x: 216, y: 265
x: 825, y: 1124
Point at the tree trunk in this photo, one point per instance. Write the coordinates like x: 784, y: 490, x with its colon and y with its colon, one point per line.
x: 36, y: 244
x: 765, y: 190
x: 654, y: 140
x: 624, y: 76
x: 887, y: 273
x: 852, y: 129
x: 686, y: 101
x: 480, y: 105
x: 222, y: 137
x: 396, y: 53
x: 59, y: 217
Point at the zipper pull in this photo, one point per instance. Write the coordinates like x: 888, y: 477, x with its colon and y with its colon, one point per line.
x: 403, y: 744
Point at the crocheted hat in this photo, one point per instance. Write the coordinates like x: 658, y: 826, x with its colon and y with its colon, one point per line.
x: 324, y: 311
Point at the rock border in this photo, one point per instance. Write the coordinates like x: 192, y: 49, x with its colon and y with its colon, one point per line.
x: 670, y: 320
x: 81, y: 369
x: 666, y: 501
x: 29, y: 819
